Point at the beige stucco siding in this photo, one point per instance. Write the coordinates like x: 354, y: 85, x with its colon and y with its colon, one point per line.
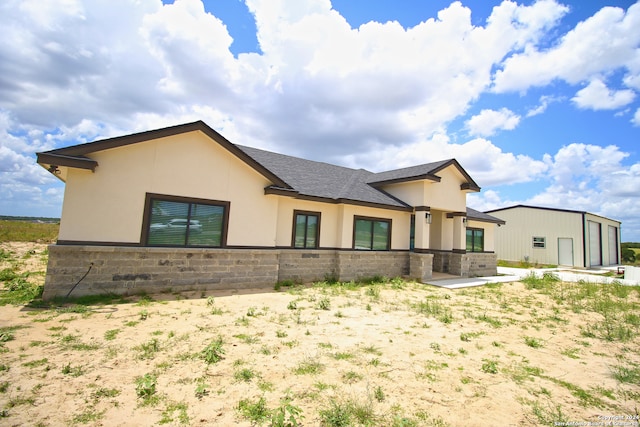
x: 187, y: 165
x: 445, y: 195
x: 489, y: 233
x: 328, y: 220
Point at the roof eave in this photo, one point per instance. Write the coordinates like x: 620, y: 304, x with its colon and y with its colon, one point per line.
x: 421, y: 177
x: 468, y: 186
x: 78, y: 162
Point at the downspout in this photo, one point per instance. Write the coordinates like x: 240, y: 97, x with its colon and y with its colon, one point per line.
x: 584, y: 241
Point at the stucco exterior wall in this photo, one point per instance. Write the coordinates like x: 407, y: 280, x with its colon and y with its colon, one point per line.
x: 187, y: 165
x: 446, y: 194
x: 489, y: 233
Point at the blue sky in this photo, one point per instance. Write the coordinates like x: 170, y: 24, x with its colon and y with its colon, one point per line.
x: 537, y: 100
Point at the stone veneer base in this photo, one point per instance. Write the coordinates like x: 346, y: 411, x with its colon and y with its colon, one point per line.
x: 133, y: 270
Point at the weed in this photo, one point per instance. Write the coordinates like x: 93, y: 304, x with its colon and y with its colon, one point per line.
x: 351, y: 377
x: 146, y: 386
x: 571, y: 352
x: 468, y: 336
x: 348, y: 413
x: 372, y: 349
x: 245, y: 375
x: 88, y: 416
x: 105, y: 392
x: 324, y: 304
x: 111, y: 334
x: 626, y: 374
x: 432, y: 307
x: 286, y: 415
x: 213, y: 352
x: 281, y: 334
x: 201, y: 390
x: 256, y: 412
x: 293, y: 305
x: 148, y: 350
x: 490, y: 366
x: 378, y: 393
x: 342, y: 356
x: 308, y: 367
x: 74, y: 372
x: 36, y: 363
x: 533, y: 342
x: 167, y: 414
x: 247, y: 339
x: 4, y: 386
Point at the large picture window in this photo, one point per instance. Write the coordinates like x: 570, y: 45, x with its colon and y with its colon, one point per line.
x: 177, y: 221
x: 475, y: 240
x: 371, y: 234
x: 306, y: 229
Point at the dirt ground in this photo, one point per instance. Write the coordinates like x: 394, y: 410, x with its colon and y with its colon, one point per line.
x: 392, y: 354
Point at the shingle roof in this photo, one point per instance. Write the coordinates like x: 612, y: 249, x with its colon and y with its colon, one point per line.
x: 323, y: 180
x: 483, y: 217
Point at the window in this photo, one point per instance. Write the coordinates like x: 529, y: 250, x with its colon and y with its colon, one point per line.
x: 475, y: 240
x: 539, y: 242
x: 178, y: 221
x: 306, y: 229
x: 371, y: 234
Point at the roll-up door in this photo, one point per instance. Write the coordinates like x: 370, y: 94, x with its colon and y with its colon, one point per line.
x: 595, y: 248
x: 613, y: 245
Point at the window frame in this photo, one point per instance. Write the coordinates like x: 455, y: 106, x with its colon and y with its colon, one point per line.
x: 473, y: 236
x: 372, y: 220
x: 307, y: 214
x: 540, y: 244
x: 148, y: 211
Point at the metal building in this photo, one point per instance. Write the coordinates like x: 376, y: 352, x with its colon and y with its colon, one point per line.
x: 557, y: 237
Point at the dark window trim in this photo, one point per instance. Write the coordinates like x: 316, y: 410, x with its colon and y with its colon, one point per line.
x: 293, y: 231
x: 372, y: 219
x: 473, y: 230
x: 146, y: 218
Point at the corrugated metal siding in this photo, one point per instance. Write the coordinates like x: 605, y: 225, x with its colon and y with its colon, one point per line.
x: 514, y: 241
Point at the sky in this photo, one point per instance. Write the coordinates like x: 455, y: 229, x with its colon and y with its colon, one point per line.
x: 538, y: 100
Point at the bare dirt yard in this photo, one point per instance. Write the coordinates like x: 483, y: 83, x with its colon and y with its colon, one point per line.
x: 381, y: 353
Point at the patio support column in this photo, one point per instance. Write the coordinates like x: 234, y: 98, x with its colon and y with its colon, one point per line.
x: 423, y: 227
x: 459, y: 233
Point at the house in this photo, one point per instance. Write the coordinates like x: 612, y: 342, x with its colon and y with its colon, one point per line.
x: 557, y: 236
x: 182, y: 208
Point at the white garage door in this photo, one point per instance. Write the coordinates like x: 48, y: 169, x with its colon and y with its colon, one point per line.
x: 613, y: 245
x: 595, y: 257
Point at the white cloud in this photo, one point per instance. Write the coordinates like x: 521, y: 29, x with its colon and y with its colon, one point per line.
x: 580, y: 177
x: 636, y: 118
x: 596, y: 96
x: 484, y: 161
x: 602, y: 43
x: 488, y: 122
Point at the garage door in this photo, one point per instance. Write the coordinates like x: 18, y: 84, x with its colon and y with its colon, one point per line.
x: 595, y: 248
x: 613, y: 245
